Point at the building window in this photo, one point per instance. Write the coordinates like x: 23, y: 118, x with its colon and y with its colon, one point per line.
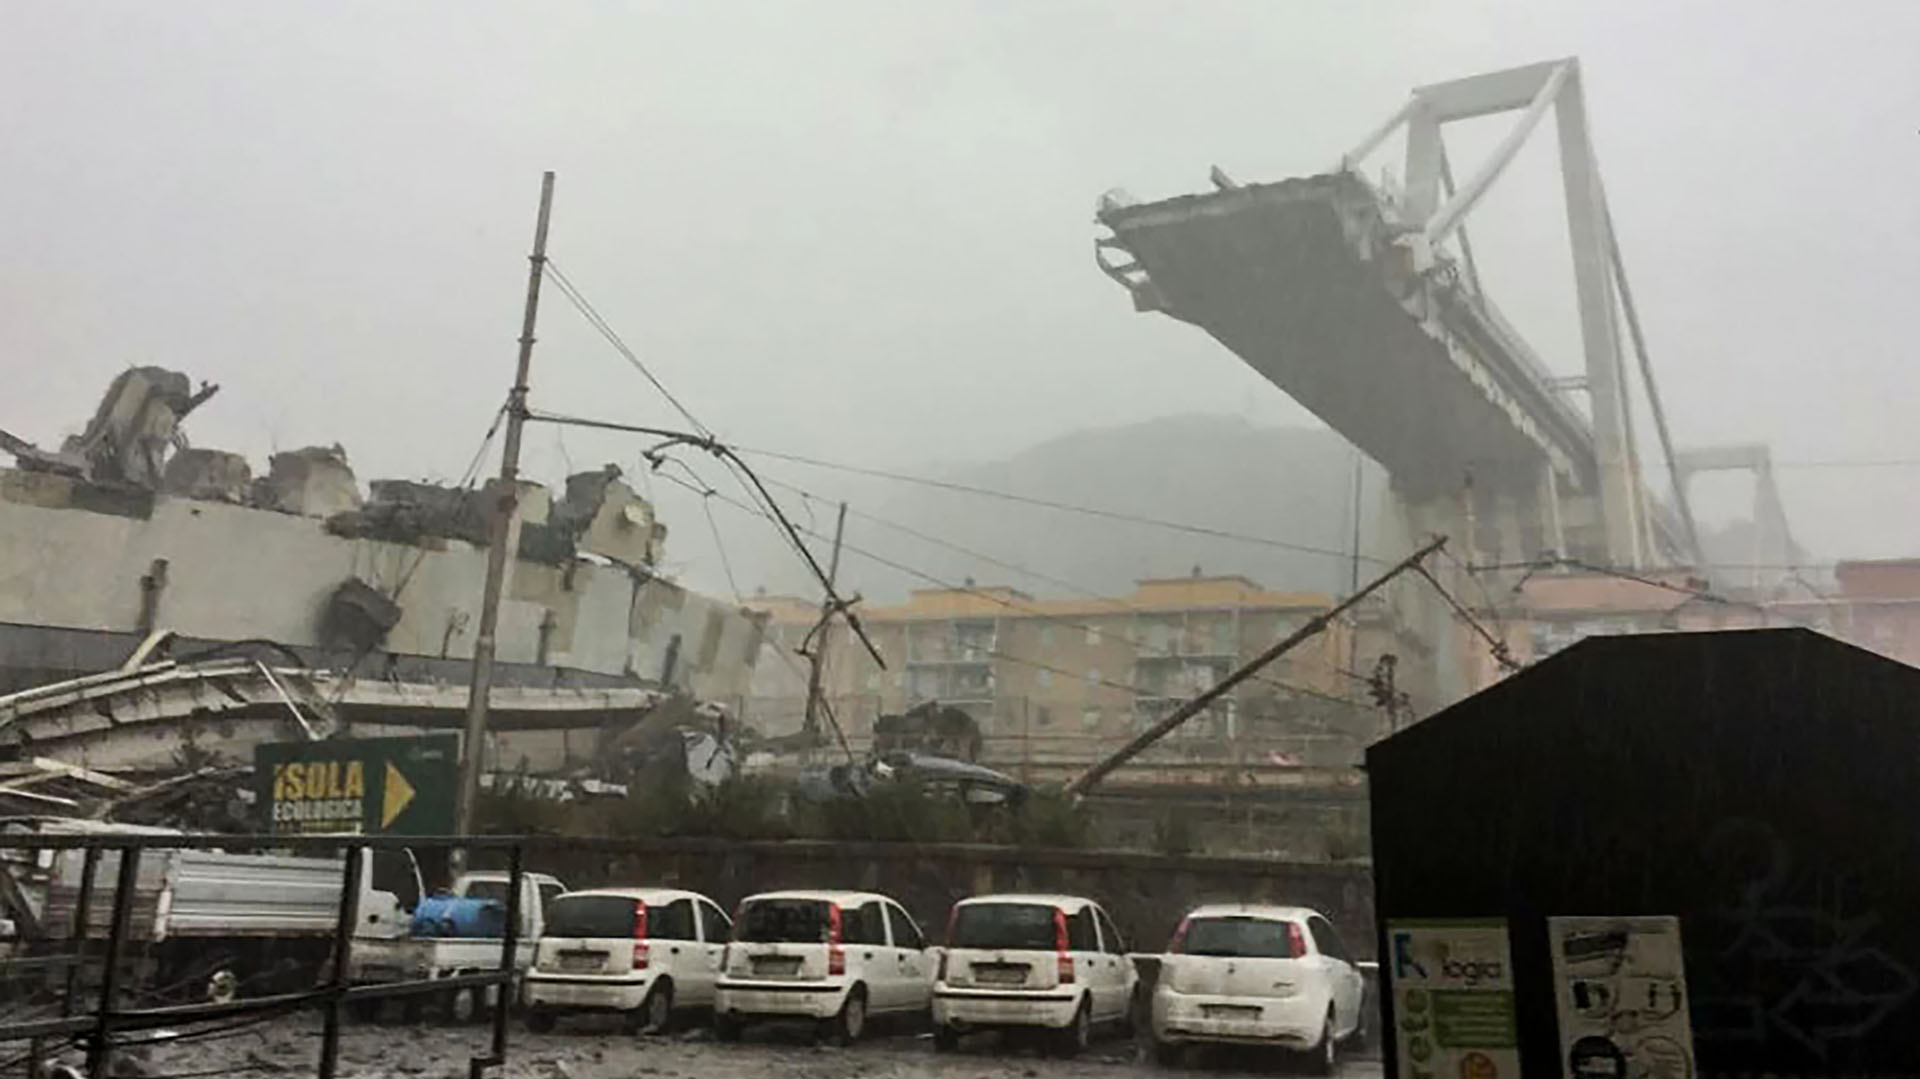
x: 1090, y: 718
x: 1093, y: 676
x: 1093, y: 636
x: 873, y: 681
x: 1044, y: 677
x: 1042, y: 717
x: 1046, y: 636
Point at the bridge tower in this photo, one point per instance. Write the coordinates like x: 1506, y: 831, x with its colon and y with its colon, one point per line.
x: 1364, y: 303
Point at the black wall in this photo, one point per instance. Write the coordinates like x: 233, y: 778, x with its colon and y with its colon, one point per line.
x: 1761, y: 785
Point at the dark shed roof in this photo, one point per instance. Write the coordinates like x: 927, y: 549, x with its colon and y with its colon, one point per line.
x: 1761, y: 785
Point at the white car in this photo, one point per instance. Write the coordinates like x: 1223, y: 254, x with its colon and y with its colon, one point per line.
x: 643, y: 952
x: 1257, y: 975
x: 1048, y: 961
x: 834, y: 957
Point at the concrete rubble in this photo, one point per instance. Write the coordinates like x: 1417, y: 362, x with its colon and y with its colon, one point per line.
x: 196, y: 540
x: 135, y: 441
x: 311, y: 482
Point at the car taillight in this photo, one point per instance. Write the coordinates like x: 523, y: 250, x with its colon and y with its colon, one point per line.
x: 1179, y: 938
x: 639, y: 936
x: 1065, y: 959
x: 836, y: 955
x: 1296, y: 941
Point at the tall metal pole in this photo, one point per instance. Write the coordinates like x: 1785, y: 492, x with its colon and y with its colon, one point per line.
x: 1353, y: 552
x: 503, y: 536
x: 817, y: 662
x: 1196, y: 705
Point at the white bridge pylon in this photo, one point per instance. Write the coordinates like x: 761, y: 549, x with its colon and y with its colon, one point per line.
x: 1432, y: 210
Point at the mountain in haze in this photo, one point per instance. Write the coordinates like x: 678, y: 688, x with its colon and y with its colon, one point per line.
x: 1285, y: 485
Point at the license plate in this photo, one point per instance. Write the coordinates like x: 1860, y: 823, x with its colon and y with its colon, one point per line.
x: 581, y: 960
x: 996, y: 974
x: 1229, y: 1011
x: 783, y: 967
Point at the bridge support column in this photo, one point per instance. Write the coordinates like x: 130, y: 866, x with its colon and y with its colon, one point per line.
x: 1416, y: 605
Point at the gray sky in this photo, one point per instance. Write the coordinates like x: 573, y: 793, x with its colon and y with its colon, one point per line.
x: 862, y: 230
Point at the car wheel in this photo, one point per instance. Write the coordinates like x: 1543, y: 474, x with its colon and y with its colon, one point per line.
x: 945, y: 1039
x: 1324, y: 1058
x: 540, y: 1021
x: 726, y: 1028
x: 655, y: 1015
x: 461, y: 1006
x: 848, y: 1026
x: 1072, y: 1039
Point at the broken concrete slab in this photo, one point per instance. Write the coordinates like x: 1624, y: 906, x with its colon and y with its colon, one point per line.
x: 608, y: 519
x: 315, y: 481
x: 208, y: 475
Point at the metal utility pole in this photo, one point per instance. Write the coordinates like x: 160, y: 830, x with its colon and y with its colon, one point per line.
x: 504, y: 534
x: 817, y: 660
x: 1220, y: 689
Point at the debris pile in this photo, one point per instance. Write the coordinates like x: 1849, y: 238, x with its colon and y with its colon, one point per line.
x: 135, y: 444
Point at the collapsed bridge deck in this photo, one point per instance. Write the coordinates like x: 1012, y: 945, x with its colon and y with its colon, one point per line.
x: 1302, y: 279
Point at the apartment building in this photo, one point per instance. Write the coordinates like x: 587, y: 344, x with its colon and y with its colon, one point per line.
x: 1052, y: 678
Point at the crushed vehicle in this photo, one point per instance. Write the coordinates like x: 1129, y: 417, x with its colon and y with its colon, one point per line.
x: 973, y: 784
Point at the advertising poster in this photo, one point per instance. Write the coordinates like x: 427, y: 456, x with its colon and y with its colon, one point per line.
x: 1621, y: 992
x: 1452, y: 985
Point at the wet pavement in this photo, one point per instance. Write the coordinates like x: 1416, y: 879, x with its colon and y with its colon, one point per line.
x: 587, y: 1049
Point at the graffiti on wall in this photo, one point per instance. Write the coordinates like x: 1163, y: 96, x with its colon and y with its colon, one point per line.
x: 1791, y: 951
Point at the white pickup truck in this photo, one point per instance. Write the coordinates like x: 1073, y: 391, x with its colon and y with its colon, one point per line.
x: 205, y: 924
x: 416, y: 958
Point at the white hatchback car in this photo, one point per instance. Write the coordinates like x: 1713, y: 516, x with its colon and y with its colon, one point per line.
x: 1049, y: 961
x: 1257, y: 975
x: 644, y: 952
x: 834, y: 957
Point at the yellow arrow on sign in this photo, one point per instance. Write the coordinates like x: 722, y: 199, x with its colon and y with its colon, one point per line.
x: 397, y: 796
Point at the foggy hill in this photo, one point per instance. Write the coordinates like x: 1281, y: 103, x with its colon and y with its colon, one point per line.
x: 1220, y: 472
x: 1292, y: 485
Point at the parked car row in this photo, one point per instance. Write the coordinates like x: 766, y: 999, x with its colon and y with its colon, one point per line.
x: 1051, y: 964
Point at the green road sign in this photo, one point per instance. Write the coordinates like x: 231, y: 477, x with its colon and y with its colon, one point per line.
x: 361, y: 786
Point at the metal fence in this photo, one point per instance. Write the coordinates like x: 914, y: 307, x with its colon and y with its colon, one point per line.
x: 100, y: 1026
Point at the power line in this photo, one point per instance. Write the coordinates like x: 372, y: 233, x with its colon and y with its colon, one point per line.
x: 1067, y: 507
x: 808, y: 496
x: 1496, y: 645
x: 719, y: 545
x: 467, y: 480
x: 1487, y: 597
x: 725, y: 453
x: 1032, y: 611
x: 587, y: 311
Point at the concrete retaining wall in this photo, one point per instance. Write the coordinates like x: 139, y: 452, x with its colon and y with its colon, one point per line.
x: 1145, y: 893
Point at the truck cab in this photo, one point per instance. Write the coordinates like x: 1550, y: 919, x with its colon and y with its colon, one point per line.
x: 433, y: 950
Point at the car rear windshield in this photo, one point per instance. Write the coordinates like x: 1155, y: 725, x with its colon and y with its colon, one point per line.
x: 495, y: 890
x: 1025, y: 926
x: 1251, y: 938
x: 591, y: 916
x: 793, y: 921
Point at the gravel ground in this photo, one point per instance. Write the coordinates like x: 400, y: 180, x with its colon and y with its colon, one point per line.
x: 589, y: 1050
